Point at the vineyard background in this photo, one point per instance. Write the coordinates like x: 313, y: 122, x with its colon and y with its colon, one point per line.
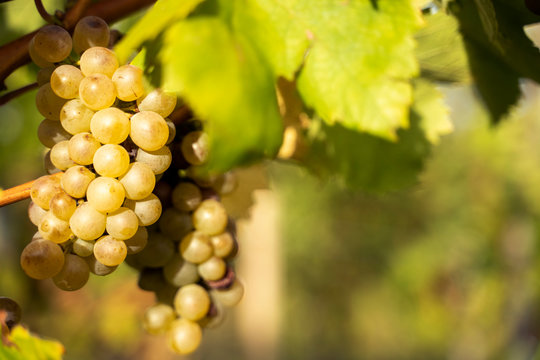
x: 447, y: 269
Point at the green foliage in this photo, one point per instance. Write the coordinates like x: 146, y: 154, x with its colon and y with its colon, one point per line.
x: 27, y: 346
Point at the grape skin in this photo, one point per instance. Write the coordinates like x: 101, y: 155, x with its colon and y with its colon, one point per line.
x: 90, y: 31
x: 110, y: 251
x: 87, y: 223
x: 110, y: 126
x: 111, y: 160
x: 75, y: 117
x: 97, y: 92
x: 74, y: 274
x: 149, y: 130
x: 105, y: 194
x: 42, y: 259
x: 75, y: 181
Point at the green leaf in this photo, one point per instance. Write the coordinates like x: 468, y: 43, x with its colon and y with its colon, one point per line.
x: 26, y: 346
x: 429, y: 107
x: 228, y: 85
x: 354, y: 58
x: 161, y: 15
x: 441, y: 51
x: 498, y: 49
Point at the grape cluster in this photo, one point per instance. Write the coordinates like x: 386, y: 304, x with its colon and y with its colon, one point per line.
x: 126, y: 184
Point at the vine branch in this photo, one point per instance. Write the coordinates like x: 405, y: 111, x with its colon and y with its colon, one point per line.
x: 13, y: 94
x: 18, y: 193
x: 43, y: 12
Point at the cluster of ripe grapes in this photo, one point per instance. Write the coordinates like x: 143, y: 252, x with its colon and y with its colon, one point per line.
x: 112, y: 195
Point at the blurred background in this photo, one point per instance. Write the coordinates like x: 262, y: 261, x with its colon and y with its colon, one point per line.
x: 447, y: 269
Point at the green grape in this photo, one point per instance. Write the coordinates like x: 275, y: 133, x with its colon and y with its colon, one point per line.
x: 98, y: 60
x: 105, y: 194
x: 149, y: 130
x: 44, y: 75
x: 158, y: 318
x: 35, y: 213
x: 74, y: 274
x: 179, y: 272
x: 184, y: 336
x: 195, y: 147
x: 62, y: 206
x: 122, y: 224
x: 36, y: 59
x: 231, y: 296
x: 83, y: 248
x: 54, y: 229
x: 212, y: 269
x: 158, y: 160
x: 48, y: 165
x: 195, y: 247
x: 192, y: 302
x: 109, y: 251
x: 111, y: 160
x: 97, y: 92
x: 65, y: 81
x: 43, y: 190
x: 98, y: 268
x: 223, y: 244
x: 48, y: 103
x: 186, y: 196
x: 172, y: 131
x: 158, y: 101
x: 60, y: 155
x: 138, y: 181
x: 89, y: 32
x: 128, y: 82
x: 147, y: 210
x: 82, y: 148
x: 110, y: 126
x: 138, y: 241
x: 75, y: 181
x: 52, y: 43
x: 175, y: 224
x: 87, y: 223
x: 51, y: 132
x: 75, y: 117
x: 157, y: 252
x: 42, y: 259
x: 210, y: 217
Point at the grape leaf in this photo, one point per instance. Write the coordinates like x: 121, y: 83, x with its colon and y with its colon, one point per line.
x: 161, y: 15
x: 227, y: 84
x: 429, y: 106
x: 354, y: 58
x: 498, y: 49
x: 27, y: 346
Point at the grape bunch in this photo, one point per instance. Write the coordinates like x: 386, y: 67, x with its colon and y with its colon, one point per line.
x: 127, y: 184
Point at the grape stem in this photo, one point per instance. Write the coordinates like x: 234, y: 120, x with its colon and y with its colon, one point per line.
x: 43, y: 12
x: 18, y: 193
x: 15, y: 93
x: 15, y: 53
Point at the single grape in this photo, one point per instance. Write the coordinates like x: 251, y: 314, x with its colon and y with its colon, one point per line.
x: 110, y: 126
x: 35, y: 213
x: 157, y: 252
x: 158, y: 160
x: 231, y: 296
x: 48, y: 103
x: 98, y: 60
x: 65, y: 81
x: 105, y: 194
x: 43, y: 190
x: 212, y: 269
x: 186, y: 196
x: 97, y: 92
x: 158, y: 101
x: 60, y: 155
x: 51, y: 132
x: 38, y: 60
x: 150, y: 279
x: 48, y: 165
x: 175, y: 224
x: 76, y: 179
x: 52, y: 43
x: 158, y: 318
x: 12, y: 311
x: 184, y: 336
x: 192, y: 302
x: 172, y: 131
x: 223, y: 244
x: 74, y: 274
x: 138, y: 241
x: 138, y: 181
x: 98, y: 268
x: 195, y: 147
x: 128, y: 82
x: 87, y: 223
x: 147, y: 210
x: 83, y: 248
x: 111, y: 160
x: 210, y: 217
x: 109, y: 251
x: 82, y: 148
x: 122, y: 223
x: 42, y: 259
x: 54, y: 229
x: 44, y: 75
x: 196, y: 247
x: 179, y: 272
x: 149, y: 130
x: 62, y: 206
x: 75, y: 117
x: 89, y: 32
